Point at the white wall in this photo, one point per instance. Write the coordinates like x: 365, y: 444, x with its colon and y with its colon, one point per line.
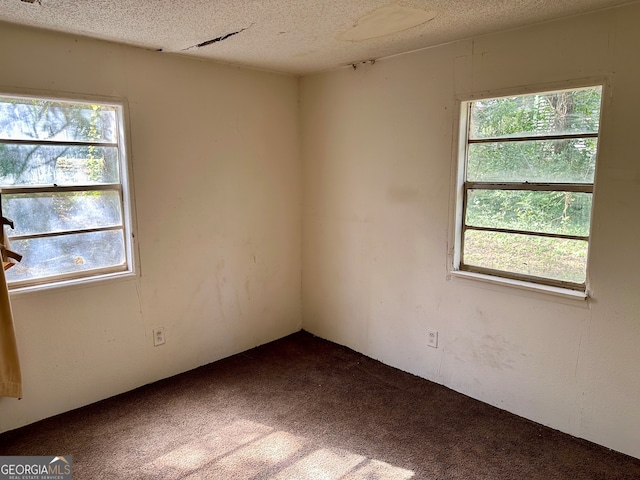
x: 377, y: 150
x: 217, y: 184
x: 215, y: 157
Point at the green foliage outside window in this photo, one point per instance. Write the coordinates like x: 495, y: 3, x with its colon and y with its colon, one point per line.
x: 542, y: 148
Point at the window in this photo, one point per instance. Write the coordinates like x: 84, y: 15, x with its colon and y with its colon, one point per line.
x: 526, y: 186
x: 63, y: 177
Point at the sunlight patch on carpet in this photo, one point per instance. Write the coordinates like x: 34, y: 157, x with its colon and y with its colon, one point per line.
x: 244, y: 450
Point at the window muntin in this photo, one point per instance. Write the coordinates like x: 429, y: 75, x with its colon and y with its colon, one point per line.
x: 63, y: 179
x: 527, y: 186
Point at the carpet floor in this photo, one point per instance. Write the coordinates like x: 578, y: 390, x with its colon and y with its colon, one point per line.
x: 304, y: 408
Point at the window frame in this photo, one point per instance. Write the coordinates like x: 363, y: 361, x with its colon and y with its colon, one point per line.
x: 457, y: 267
x: 124, y: 188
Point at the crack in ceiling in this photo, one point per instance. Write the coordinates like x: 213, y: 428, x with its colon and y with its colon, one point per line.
x: 217, y: 39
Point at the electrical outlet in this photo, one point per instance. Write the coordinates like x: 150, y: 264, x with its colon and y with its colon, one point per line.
x: 158, y: 336
x: 432, y: 338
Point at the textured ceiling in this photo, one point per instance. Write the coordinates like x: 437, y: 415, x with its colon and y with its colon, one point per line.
x: 291, y: 36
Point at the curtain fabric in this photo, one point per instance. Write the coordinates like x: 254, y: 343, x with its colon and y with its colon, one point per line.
x: 10, y: 376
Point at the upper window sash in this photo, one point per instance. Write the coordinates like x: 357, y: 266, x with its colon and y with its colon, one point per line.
x: 41, y: 119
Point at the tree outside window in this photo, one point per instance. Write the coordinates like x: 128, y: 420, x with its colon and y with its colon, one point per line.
x: 63, y: 179
x: 527, y: 189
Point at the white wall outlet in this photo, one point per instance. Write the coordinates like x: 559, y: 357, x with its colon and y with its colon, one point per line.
x: 432, y: 338
x: 158, y: 336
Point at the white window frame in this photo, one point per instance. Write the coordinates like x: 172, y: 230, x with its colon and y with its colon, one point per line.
x: 124, y: 187
x: 540, y: 284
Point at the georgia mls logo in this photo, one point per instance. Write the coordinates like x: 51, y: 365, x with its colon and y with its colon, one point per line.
x: 36, y: 468
x: 63, y: 460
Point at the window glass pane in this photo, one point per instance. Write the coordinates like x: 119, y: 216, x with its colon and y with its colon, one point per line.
x: 61, y: 165
x: 33, y: 119
x: 545, y: 161
x: 565, y: 213
x: 67, y: 254
x: 566, y: 112
x: 558, y: 259
x: 58, y: 212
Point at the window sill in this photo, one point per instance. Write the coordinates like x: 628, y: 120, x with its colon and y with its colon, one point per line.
x: 519, y: 284
x: 73, y: 284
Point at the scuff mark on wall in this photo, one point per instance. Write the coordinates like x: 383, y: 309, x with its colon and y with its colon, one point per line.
x: 219, y: 283
x: 494, y: 351
x: 403, y: 194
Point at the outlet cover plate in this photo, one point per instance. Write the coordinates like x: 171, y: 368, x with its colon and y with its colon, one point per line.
x: 158, y: 336
x: 432, y: 338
